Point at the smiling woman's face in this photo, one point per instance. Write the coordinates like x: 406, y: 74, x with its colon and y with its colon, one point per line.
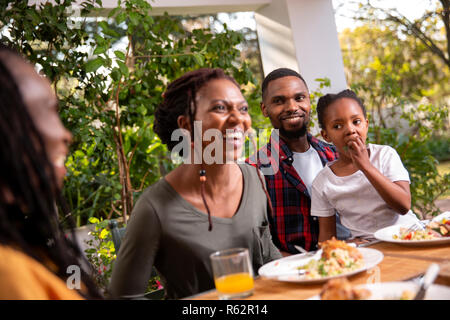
x: 42, y: 105
x: 221, y: 106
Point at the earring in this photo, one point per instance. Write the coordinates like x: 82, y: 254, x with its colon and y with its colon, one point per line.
x: 202, y: 174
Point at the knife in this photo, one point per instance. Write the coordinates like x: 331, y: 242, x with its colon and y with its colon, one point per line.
x: 299, y: 272
x: 428, y: 279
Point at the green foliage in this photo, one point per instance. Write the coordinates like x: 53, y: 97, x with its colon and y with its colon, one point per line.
x: 440, y: 147
x: 314, y: 96
x: 108, y: 95
x: 402, y: 80
x: 101, y: 252
x: 426, y: 183
x: 384, y: 65
x: 423, y: 121
x: 47, y: 36
x: 413, y: 147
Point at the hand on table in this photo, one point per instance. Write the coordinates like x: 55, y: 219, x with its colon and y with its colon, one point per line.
x: 357, y: 241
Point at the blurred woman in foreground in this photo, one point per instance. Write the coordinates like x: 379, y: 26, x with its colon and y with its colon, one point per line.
x: 37, y: 260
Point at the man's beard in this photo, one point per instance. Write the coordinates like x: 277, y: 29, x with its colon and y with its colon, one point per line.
x: 295, y: 134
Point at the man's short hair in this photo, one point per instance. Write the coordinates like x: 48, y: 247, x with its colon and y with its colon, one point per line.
x: 280, y: 73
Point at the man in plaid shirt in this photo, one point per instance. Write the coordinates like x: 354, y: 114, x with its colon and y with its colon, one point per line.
x: 291, y: 160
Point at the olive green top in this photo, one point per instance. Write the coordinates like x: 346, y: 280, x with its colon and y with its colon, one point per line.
x: 166, y: 231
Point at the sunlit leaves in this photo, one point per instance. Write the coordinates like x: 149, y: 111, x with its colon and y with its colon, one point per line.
x: 93, y: 65
x: 116, y: 81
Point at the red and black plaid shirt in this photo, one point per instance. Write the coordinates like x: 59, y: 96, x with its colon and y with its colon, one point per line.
x: 291, y: 222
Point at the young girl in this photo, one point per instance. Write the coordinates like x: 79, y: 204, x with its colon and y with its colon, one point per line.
x: 368, y: 185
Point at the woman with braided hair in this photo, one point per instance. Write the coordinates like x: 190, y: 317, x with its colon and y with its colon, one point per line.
x: 200, y: 207
x: 36, y: 258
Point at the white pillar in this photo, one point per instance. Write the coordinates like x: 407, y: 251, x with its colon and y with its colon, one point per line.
x: 301, y: 35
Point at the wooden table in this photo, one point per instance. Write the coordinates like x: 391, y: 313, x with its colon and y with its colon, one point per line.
x: 400, y: 263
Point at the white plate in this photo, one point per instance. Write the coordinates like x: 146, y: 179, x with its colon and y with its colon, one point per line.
x: 386, y: 234
x: 393, y: 291
x: 274, y: 269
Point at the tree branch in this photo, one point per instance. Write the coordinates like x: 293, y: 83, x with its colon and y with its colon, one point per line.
x: 446, y: 19
x: 396, y: 17
x: 426, y: 40
x: 142, y: 182
x: 166, y: 55
x: 136, y: 145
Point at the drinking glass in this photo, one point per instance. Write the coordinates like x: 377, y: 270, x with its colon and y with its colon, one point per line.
x: 233, y: 273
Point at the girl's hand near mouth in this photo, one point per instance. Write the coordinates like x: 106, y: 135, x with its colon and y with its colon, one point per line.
x: 359, y: 154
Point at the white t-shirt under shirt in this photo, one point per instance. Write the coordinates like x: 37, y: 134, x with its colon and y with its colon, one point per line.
x: 308, y: 165
x: 361, y: 208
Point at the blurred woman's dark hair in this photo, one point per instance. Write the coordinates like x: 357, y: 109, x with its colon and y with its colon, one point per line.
x: 29, y: 193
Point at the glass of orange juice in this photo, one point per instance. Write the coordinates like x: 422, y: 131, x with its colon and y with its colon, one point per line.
x: 233, y: 273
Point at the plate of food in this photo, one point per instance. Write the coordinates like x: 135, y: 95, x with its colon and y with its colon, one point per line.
x: 335, y: 259
x: 435, y: 231
x: 341, y: 289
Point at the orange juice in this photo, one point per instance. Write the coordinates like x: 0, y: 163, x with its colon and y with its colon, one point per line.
x: 234, y: 283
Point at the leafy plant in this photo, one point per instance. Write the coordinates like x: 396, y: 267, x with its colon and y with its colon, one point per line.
x: 403, y: 81
x: 426, y: 183
x: 101, y: 252
x: 439, y: 146
x: 109, y: 92
x: 126, y: 105
x: 109, y: 74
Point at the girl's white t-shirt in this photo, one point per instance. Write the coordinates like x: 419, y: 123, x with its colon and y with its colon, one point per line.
x: 308, y: 165
x: 361, y: 208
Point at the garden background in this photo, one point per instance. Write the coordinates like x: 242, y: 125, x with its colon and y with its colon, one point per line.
x: 109, y: 74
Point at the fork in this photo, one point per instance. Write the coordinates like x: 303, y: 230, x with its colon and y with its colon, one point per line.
x: 300, y: 249
x: 314, y: 254
x: 306, y: 253
x: 416, y: 226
